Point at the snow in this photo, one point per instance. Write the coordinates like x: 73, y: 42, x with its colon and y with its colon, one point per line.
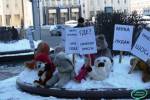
x: 10, y: 92
x: 119, y: 78
x: 16, y: 45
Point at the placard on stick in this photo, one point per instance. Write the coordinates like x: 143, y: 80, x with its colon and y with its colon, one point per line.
x: 122, y: 38
x: 141, y: 48
x: 80, y: 40
x: 71, y: 42
x: 87, y: 41
x: 30, y: 38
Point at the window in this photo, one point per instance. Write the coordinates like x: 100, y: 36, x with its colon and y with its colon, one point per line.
x: 8, y: 17
x: 105, y: 2
x: 125, y: 1
x: 83, y: 5
x: 118, y: 1
x: 84, y: 11
x: 0, y: 20
x: 111, y: 1
x: 7, y: 6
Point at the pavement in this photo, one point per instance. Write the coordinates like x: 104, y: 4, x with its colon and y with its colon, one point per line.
x: 10, y: 70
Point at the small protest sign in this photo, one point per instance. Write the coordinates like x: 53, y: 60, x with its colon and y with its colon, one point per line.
x: 71, y: 43
x: 80, y: 40
x: 142, y: 46
x: 30, y: 38
x: 87, y: 40
x: 122, y: 37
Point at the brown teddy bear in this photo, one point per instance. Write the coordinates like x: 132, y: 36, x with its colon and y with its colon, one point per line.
x: 143, y: 66
x: 43, y: 63
x: 42, y: 47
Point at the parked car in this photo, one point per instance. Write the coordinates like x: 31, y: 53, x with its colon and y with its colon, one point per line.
x: 56, y: 30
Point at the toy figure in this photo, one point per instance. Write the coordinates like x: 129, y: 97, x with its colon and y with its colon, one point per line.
x: 65, y: 71
x: 43, y: 63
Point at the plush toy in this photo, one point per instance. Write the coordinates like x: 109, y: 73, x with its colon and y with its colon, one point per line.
x: 102, y: 50
x: 41, y: 48
x: 45, y: 69
x: 143, y: 66
x: 102, y: 47
x: 101, y: 69
x: 65, y: 71
x: 43, y: 63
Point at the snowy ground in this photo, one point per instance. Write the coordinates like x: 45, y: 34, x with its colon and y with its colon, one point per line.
x: 9, y: 70
x: 16, y: 45
x: 119, y: 78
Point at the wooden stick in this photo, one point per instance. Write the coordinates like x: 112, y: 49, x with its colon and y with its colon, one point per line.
x: 133, y: 66
x: 90, y: 61
x: 120, y: 57
x: 73, y: 59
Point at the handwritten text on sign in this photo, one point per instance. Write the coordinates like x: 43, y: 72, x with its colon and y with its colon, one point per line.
x: 71, y: 43
x: 80, y: 40
x: 122, y: 37
x: 87, y: 40
x: 142, y: 46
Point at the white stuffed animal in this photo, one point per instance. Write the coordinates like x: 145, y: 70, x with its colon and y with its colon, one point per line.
x: 101, y: 69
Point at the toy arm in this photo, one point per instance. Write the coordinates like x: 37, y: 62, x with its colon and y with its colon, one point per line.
x: 67, y: 67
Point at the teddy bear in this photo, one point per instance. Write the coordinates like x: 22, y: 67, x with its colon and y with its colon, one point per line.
x: 43, y: 63
x: 102, y: 47
x: 65, y: 71
x: 136, y: 63
x: 42, y: 47
x: 101, y: 69
x: 102, y: 50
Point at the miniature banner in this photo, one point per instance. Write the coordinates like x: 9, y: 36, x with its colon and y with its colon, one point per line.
x: 122, y: 37
x: 71, y: 42
x: 80, y: 40
x: 142, y: 46
x: 87, y: 41
x: 30, y: 38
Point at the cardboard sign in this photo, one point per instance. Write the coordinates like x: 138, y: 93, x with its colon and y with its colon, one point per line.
x: 142, y: 46
x: 87, y: 41
x: 30, y: 38
x: 71, y: 42
x: 80, y: 40
x: 122, y: 37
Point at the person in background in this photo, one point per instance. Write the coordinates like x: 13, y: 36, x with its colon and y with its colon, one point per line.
x: 14, y: 32
x: 22, y: 33
x: 87, y: 23
x: 80, y: 22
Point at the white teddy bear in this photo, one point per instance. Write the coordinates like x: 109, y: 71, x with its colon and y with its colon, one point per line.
x: 101, y: 69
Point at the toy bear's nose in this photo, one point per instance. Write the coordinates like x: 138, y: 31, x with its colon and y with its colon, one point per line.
x: 101, y: 64
x: 39, y: 66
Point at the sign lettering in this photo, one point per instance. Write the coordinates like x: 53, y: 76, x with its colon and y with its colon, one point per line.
x: 80, y: 40
x: 142, y: 48
x: 122, y: 37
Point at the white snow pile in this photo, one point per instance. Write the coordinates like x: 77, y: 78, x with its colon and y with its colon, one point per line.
x: 9, y: 91
x: 119, y: 78
x: 16, y: 45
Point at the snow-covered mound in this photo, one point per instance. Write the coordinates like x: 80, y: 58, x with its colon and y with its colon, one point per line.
x: 16, y: 45
x: 119, y: 78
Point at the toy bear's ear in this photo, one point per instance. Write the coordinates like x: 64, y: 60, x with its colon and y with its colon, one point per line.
x: 30, y: 64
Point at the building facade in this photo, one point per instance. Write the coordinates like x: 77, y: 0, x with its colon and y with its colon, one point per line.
x: 141, y: 6
x: 91, y: 7
x: 12, y: 13
x: 60, y: 11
